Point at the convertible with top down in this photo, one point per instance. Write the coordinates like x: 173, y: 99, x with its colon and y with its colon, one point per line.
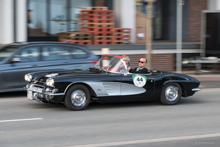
x: 108, y: 81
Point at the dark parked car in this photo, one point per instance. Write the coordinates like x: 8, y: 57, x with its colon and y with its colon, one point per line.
x: 20, y: 58
x: 109, y: 81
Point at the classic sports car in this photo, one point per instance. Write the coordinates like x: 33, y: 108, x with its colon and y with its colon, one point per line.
x: 108, y: 81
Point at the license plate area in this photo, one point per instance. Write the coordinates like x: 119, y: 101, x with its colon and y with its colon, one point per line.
x: 36, y: 89
x: 30, y: 95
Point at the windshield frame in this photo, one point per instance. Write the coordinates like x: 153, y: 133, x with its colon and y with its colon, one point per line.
x: 109, y: 65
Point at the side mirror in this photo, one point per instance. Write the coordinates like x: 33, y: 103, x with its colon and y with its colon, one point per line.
x: 15, y: 59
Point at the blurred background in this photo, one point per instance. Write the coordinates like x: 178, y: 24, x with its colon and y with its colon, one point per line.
x: 124, y: 22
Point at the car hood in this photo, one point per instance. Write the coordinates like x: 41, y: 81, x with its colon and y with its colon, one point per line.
x: 43, y: 76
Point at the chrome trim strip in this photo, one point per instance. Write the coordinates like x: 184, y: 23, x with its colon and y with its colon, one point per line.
x: 112, y: 88
x: 196, y: 89
x: 67, y: 87
x: 54, y: 94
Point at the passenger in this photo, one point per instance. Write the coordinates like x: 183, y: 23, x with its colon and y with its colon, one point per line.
x: 127, y: 61
x: 141, y: 67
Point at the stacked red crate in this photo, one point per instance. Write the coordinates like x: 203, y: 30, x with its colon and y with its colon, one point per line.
x: 122, y: 35
x: 83, y: 38
x: 100, y: 23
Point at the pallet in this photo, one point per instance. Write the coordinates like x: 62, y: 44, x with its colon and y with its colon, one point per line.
x: 84, y: 42
x: 122, y: 30
x: 76, y: 38
x: 103, y: 34
x: 86, y: 16
x: 75, y: 34
x: 70, y: 41
x: 122, y: 34
x: 88, y: 29
x: 103, y: 17
x: 98, y: 25
x: 94, y: 8
x: 121, y: 38
x: 103, y: 29
x: 92, y: 16
x: 88, y: 42
x: 97, y: 12
x: 97, y: 20
x: 103, y: 38
x: 100, y: 42
x: 86, y: 25
x: 122, y: 42
x: 88, y: 12
x: 104, y: 12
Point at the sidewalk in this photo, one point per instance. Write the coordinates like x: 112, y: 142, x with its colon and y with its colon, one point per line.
x: 206, y: 77
x: 208, y: 81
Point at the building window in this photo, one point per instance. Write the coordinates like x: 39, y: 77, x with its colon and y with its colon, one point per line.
x: 47, y: 18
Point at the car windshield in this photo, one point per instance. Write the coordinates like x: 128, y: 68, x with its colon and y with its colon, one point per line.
x: 6, y: 52
x: 112, y: 64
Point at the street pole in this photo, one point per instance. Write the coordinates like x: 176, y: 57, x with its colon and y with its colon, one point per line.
x: 179, y: 36
x: 203, y: 32
x: 149, y: 33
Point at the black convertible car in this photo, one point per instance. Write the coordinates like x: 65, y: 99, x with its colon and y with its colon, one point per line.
x: 108, y: 81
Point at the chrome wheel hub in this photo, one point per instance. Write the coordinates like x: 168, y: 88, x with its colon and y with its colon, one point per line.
x: 171, y: 93
x: 78, y: 98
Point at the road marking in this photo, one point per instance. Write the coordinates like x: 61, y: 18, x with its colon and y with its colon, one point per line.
x: 15, y: 120
x: 149, y: 140
x: 12, y: 99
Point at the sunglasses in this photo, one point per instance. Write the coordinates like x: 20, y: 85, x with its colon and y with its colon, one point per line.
x: 141, y: 62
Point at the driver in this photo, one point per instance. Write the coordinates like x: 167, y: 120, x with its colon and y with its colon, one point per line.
x: 141, y: 67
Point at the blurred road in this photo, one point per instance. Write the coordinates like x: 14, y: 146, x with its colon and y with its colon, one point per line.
x: 208, y: 81
x: 193, y: 122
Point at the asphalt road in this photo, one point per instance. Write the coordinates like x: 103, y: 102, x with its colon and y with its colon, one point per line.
x: 193, y: 122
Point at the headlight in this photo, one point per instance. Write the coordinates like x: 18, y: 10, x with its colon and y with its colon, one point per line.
x: 50, y: 82
x: 28, y: 77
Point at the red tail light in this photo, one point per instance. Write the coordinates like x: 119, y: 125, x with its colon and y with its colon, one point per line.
x: 94, y: 62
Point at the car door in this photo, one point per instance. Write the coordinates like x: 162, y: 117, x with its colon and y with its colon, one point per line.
x: 12, y: 73
x: 137, y: 84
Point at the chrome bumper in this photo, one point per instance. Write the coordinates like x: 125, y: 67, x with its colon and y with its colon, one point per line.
x: 54, y: 94
x: 46, y: 93
x: 42, y: 91
x: 196, y: 89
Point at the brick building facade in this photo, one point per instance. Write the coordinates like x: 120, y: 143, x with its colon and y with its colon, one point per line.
x: 195, y: 11
x: 163, y: 62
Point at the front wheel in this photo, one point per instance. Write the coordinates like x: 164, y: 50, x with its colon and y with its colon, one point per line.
x: 171, y: 94
x: 77, y: 97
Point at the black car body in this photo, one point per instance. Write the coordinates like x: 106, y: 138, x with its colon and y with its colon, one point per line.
x: 20, y: 58
x: 109, y: 81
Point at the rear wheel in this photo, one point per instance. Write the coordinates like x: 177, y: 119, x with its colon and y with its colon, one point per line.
x: 171, y: 94
x: 77, y: 97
